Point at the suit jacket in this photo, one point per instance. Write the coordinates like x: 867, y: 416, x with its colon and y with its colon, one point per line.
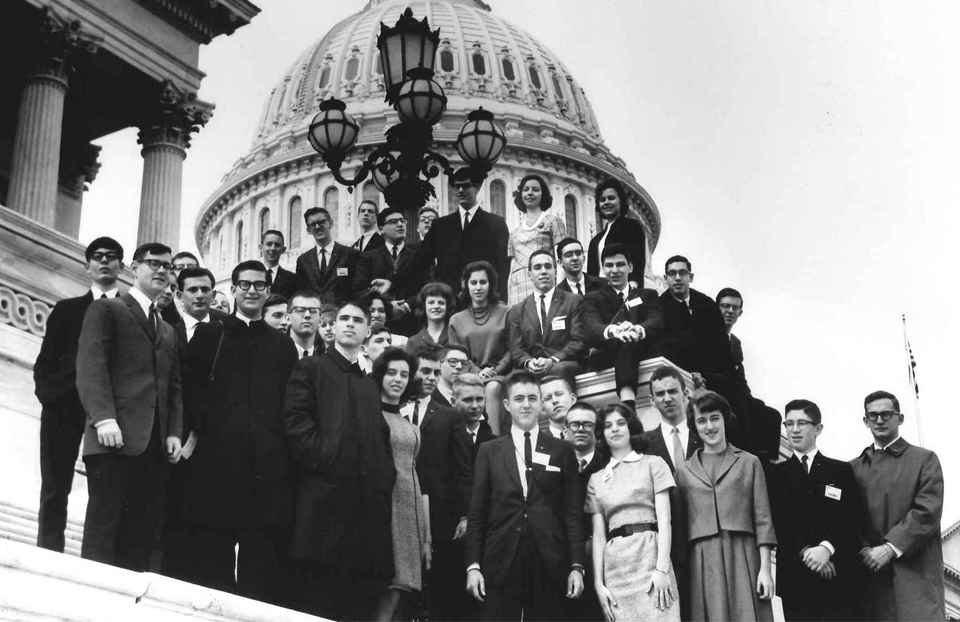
x: 452, y: 249
x: 591, y: 283
x: 285, y: 283
x: 336, y: 283
x: 737, y: 502
x: 376, y: 241
x: 122, y: 374
x: 445, y: 468
x: 377, y: 263
x: 526, y: 339
x: 806, y: 511
x: 627, y: 231
x: 696, y: 341
x: 551, y: 514
x: 901, y: 491
x: 656, y: 446
x: 484, y: 434
x: 603, y: 307
x: 240, y: 472
x: 55, y: 372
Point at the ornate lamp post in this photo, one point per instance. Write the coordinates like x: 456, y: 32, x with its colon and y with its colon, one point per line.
x: 403, y: 167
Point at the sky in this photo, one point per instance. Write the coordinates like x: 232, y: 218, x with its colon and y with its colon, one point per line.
x: 805, y: 153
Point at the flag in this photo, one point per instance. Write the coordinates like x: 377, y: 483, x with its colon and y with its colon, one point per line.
x: 912, y: 365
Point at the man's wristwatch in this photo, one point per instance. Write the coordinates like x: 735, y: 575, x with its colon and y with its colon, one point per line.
x: 579, y: 569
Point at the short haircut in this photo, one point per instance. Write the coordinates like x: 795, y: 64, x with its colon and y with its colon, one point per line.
x: 352, y: 303
x: 315, y: 210
x: 493, y: 295
x: 193, y: 273
x: 152, y: 248
x: 710, y: 401
x: 546, y: 199
x: 582, y: 406
x: 809, y: 409
x: 435, y: 288
x: 881, y: 395
x: 565, y: 379
x: 302, y: 293
x: 540, y: 251
x: 677, y: 259
x: 567, y: 242
x: 665, y: 371
x: 275, y: 300
x: 390, y: 211
x: 428, y: 352
x: 634, y: 428
x: 617, y: 248
x: 466, y: 173
x: 614, y: 183
x: 377, y: 330
x: 376, y: 206
x: 427, y: 208
x: 373, y: 294
x: 453, y: 347
x: 273, y: 232
x: 250, y: 264
x: 467, y: 380
x: 518, y: 376
x: 729, y: 292
x: 182, y: 254
x: 393, y: 354
x: 328, y: 309
x: 103, y: 242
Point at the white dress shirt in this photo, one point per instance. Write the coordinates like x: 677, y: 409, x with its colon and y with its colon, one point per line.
x: 190, y: 324
x: 329, y: 249
x: 557, y: 431
x: 666, y: 430
x: 301, y: 350
x: 408, y: 408
x: 97, y: 292
x: 546, y: 305
x: 472, y: 211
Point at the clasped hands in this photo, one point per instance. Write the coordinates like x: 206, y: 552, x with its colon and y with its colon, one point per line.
x: 625, y: 331
x: 539, y: 366
x: 817, y: 559
x: 876, y: 558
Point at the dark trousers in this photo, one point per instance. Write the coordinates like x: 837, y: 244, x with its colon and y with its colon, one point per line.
x: 529, y: 592
x: 176, y: 557
x: 587, y: 607
x: 61, y: 431
x: 832, y: 606
x: 334, y: 592
x: 624, y: 358
x: 123, y: 511
x: 446, y: 581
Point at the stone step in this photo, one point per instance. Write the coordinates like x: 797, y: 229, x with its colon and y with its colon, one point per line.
x: 19, y: 524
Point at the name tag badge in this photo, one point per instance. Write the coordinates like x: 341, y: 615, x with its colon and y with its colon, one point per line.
x: 559, y: 323
x: 540, y: 458
x: 342, y: 271
x: 632, y: 302
x: 832, y: 492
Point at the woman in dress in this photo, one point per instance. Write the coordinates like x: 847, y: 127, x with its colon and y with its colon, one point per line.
x: 394, y: 373
x: 612, y: 207
x: 539, y: 229
x: 480, y: 329
x: 435, y: 304
x: 724, y: 495
x: 630, y: 504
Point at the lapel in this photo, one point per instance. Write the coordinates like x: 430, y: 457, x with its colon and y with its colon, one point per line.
x: 532, y: 315
x: 334, y: 256
x: 554, y: 307
x: 729, y: 460
x: 430, y: 415
x: 613, y: 299
x: 543, y: 447
x: 509, y: 461
x: 696, y: 469
x: 137, y: 312
x: 313, y: 264
x: 659, y: 447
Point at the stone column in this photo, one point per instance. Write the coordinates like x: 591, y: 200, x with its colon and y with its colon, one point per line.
x: 165, y: 138
x: 78, y: 168
x: 36, y: 144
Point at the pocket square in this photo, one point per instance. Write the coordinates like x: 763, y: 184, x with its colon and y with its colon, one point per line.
x: 553, y: 469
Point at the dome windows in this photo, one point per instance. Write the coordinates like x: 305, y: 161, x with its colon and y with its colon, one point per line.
x: 479, y: 63
x: 353, y: 68
x: 241, y: 242
x: 296, y: 218
x: 570, y: 215
x: 508, y: 71
x: 498, y: 198
x: 331, y: 201
x: 535, y: 78
x: 557, y: 89
x: 324, y: 78
x: 264, y: 221
x: 446, y: 61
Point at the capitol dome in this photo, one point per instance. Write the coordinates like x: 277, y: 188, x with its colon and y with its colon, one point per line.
x: 482, y: 60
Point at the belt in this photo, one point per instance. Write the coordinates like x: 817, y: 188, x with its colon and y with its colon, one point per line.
x: 628, y: 530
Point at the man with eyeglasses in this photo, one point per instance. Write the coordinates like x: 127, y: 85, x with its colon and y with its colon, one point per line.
x: 453, y: 361
x: 328, y: 270
x: 457, y: 239
x: 272, y: 247
x: 128, y: 378
x: 367, y: 217
x: 425, y: 218
x: 383, y: 262
x: 730, y: 302
x: 239, y: 491
x: 304, y: 312
x: 61, y: 416
x: 816, y: 515
x: 574, y: 280
x: 169, y: 303
x: 901, y: 488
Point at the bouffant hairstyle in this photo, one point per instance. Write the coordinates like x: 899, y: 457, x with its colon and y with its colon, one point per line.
x: 373, y: 294
x: 546, y: 199
x: 612, y: 182
x: 435, y: 288
x: 709, y: 401
x: 637, y: 442
x: 494, y: 281
x: 391, y: 355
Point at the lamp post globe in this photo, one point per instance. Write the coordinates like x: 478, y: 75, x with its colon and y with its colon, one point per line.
x: 333, y: 132
x: 420, y: 99
x: 386, y: 171
x: 481, y: 141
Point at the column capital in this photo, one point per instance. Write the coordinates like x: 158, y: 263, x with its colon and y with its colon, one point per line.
x: 62, y: 40
x: 176, y: 116
x: 79, y: 169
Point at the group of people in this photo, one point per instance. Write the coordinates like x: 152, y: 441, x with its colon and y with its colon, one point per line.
x: 369, y: 435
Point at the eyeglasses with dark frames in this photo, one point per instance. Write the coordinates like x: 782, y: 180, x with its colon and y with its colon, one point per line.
x: 257, y: 285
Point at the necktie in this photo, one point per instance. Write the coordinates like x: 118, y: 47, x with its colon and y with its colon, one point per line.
x: 543, y: 313
x: 805, y: 461
x: 269, y: 277
x: 579, y: 289
x: 103, y: 296
x: 152, y: 322
x: 323, y: 260
x: 359, y: 244
x: 583, y: 464
x: 678, y: 454
x: 527, y: 455
x: 396, y: 252
x: 622, y: 298
x: 305, y: 354
x: 473, y: 438
x: 686, y: 303
x: 466, y: 220
x: 416, y: 413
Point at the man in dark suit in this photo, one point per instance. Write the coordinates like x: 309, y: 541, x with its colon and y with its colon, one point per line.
x: 467, y: 235
x: 61, y: 416
x: 525, y: 547
x: 383, y: 262
x: 572, y: 278
x: 730, y: 302
x: 470, y: 402
x: 816, y: 515
x: 238, y: 494
x: 304, y: 313
x: 673, y: 441
x: 329, y: 268
x: 621, y: 322
x: 341, y: 543
x: 454, y: 360
x: 128, y: 377
x: 368, y: 213
x: 272, y: 247
x: 545, y: 331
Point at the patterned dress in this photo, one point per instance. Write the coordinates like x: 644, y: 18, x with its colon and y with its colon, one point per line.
x: 624, y: 494
x: 524, y: 241
x: 408, y: 525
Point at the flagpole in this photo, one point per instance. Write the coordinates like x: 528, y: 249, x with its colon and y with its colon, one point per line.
x: 912, y: 377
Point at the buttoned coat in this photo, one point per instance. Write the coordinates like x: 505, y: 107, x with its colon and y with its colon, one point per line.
x: 336, y: 283
x: 124, y: 375
x: 526, y: 339
x: 445, y: 467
